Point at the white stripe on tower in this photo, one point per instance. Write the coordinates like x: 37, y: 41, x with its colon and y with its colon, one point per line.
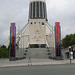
x: 42, y: 11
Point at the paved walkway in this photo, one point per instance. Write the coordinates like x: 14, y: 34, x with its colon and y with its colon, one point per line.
x: 26, y: 62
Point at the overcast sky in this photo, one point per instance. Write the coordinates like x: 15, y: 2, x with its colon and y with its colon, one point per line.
x: 62, y: 11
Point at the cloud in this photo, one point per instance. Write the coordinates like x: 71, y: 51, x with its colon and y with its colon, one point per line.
x: 12, y: 11
x: 17, y: 11
x: 62, y: 11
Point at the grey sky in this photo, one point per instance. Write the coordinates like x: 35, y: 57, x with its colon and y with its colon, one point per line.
x: 16, y: 11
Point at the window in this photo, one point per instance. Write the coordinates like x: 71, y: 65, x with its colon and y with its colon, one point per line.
x: 34, y: 22
x: 42, y: 23
x: 37, y: 45
x: 31, y: 23
x: 33, y: 9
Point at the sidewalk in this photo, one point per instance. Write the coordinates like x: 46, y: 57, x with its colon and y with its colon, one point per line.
x: 7, y: 63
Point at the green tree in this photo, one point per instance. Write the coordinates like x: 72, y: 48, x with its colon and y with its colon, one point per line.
x: 4, y: 53
x: 69, y: 40
x: 3, y: 46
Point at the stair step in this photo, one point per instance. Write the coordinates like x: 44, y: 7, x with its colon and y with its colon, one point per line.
x: 37, y: 53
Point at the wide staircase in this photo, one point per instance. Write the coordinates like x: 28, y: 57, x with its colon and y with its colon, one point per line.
x: 33, y: 53
x: 37, y: 53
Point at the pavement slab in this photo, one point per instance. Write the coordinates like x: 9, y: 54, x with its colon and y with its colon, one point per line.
x: 26, y: 62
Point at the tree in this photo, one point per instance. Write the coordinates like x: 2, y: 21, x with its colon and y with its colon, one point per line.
x: 69, y: 40
x: 3, y: 46
x: 4, y: 53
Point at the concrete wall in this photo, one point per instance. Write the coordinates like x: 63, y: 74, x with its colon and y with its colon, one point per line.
x: 37, y: 31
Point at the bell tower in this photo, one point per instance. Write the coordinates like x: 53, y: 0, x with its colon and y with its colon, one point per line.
x: 37, y: 22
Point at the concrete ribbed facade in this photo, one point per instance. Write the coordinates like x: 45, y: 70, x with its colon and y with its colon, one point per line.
x: 37, y: 9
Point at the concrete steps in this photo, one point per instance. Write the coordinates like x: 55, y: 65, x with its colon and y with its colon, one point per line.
x: 20, y: 53
x: 34, y: 53
x: 37, y: 53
